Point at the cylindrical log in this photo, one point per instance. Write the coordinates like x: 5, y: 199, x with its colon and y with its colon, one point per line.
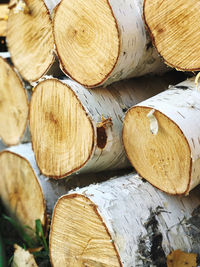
x: 161, y: 138
x: 30, y: 38
x: 174, y: 29
x: 3, y: 25
x: 122, y: 222
x: 100, y: 42
x: 28, y: 194
x: 78, y: 130
x: 13, y: 106
x: 23, y: 190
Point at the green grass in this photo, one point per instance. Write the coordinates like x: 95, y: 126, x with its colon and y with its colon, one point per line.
x: 11, y: 232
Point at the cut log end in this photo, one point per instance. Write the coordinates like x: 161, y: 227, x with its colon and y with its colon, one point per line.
x: 30, y: 38
x: 62, y: 135
x: 13, y: 105
x: 77, y: 226
x: 175, y: 30
x: 163, y: 157
x: 91, y: 49
x: 17, y: 184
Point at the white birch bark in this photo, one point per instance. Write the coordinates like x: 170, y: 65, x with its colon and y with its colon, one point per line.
x: 181, y: 104
x: 51, y: 4
x: 137, y: 56
x: 100, y: 105
x: 134, y: 213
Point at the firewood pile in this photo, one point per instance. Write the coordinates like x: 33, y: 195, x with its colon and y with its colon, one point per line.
x: 99, y: 128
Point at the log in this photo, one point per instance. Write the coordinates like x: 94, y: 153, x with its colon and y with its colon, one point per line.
x: 3, y: 19
x: 104, y: 41
x: 13, y: 106
x: 122, y: 222
x: 174, y: 29
x: 78, y: 130
x: 27, y: 194
x: 161, y: 138
x: 30, y: 38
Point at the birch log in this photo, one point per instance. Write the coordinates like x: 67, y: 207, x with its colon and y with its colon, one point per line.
x: 30, y: 37
x: 78, y: 130
x: 3, y: 19
x: 122, y: 222
x: 28, y: 194
x: 100, y: 42
x: 161, y: 138
x: 13, y: 106
x: 174, y: 28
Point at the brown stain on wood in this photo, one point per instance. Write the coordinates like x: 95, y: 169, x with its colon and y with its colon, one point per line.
x: 101, y: 137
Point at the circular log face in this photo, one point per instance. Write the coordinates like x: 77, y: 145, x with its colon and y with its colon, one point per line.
x: 30, y: 38
x: 20, y: 190
x: 79, y: 237
x: 62, y: 133
x: 175, y: 30
x: 163, y: 159
x: 13, y: 105
x: 87, y: 40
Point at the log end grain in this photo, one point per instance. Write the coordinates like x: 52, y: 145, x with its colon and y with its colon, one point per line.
x: 30, y: 38
x: 20, y: 190
x: 13, y: 105
x: 175, y: 31
x: 78, y: 235
x: 164, y: 158
x: 87, y: 40
x: 62, y: 132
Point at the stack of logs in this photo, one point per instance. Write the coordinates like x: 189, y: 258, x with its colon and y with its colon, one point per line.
x: 97, y: 117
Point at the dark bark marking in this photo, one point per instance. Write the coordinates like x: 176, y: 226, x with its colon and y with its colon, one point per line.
x: 180, y: 114
x: 150, y: 245
x: 101, y: 137
x: 181, y: 87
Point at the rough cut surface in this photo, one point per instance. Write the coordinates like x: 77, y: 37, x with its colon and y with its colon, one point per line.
x: 30, y: 38
x: 122, y: 222
x: 13, y: 105
x: 168, y: 158
x: 3, y: 19
x: 78, y: 130
x: 175, y: 31
x: 100, y: 42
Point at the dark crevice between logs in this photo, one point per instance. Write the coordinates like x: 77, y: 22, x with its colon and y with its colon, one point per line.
x: 150, y: 251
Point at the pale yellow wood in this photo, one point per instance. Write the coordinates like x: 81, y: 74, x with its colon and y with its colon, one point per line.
x: 13, y: 105
x: 3, y: 19
x: 23, y: 258
x: 174, y: 27
x: 20, y: 190
x: 30, y: 38
x: 62, y: 133
x: 80, y: 238
x: 87, y: 41
x: 163, y: 159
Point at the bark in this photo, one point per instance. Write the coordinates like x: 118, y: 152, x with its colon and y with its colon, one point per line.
x: 173, y: 27
x: 78, y: 130
x: 106, y: 41
x: 30, y: 24
x: 51, y: 4
x: 173, y: 149
x: 122, y: 222
x: 14, y: 105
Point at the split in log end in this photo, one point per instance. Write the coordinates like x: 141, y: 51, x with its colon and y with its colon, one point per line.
x: 175, y: 31
x: 78, y: 235
x: 62, y: 132
x: 87, y: 40
x: 30, y: 38
x: 13, y: 105
x: 162, y: 158
x: 20, y: 190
